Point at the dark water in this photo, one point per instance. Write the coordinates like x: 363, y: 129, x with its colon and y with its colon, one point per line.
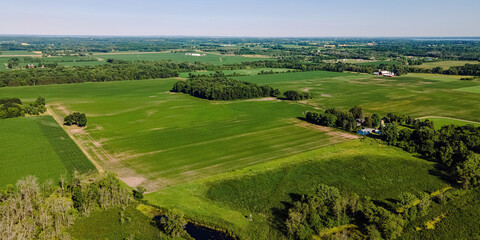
x: 203, y: 233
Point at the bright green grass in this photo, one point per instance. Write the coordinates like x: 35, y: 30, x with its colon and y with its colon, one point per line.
x: 140, y: 129
x: 19, y: 53
x: 413, y: 94
x: 37, y: 146
x: 180, y: 57
x: 106, y: 224
x: 362, y: 167
x: 445, y: 64
x: 248, y: 72
x: 90, y: 63
x: 3, y: 61
x: 377, y: 63
x: 439, y: 122
x: 473, y: 89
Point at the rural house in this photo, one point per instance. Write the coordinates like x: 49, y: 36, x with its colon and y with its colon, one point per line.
x: 384, y: 73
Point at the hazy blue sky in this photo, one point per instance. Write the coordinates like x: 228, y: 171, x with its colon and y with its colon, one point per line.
x: 242, y: 18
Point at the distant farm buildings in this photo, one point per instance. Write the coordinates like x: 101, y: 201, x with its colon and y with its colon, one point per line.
x: 195, y: 54
x: 384, y: 73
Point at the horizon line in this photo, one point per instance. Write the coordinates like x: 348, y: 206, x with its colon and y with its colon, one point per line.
x: 220, y: 36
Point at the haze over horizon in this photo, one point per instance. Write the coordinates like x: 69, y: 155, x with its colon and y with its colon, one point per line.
x: 304, y: 18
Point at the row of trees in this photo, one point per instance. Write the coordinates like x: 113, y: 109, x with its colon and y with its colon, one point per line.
x: 76, y: 118
x: 295, y: 96
x: 31, y: 210
x: 360, y: 218
x: 334, y: 118
x: 115, y: 71
x: 13, y: 107
x: 221, y: 88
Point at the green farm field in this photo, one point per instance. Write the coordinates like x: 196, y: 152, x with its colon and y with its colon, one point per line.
x: 439, y: 122
x: 19, y: 53
x: 363, y: 167
x: 179, y: 57
x: 248, y: 72
x: 445, y: 64
x: 473, y: 89
x: 417, y: 95
x: 148, y: 135
x: 37, y: 146
x: 3, y: 62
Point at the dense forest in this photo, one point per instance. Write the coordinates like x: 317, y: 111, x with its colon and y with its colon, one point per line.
x: 221, y: 88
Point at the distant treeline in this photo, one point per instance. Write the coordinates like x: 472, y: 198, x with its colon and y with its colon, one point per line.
x: 297, y: 63
x: 455, y: 148
x: 115, y: 71
x: 13, y: 107
x: 221, y: 88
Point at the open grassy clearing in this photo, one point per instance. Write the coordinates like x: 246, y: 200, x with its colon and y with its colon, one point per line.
x: 254, y: 71
x: 144, y: 133
x: 377, y: 63
x: 18, y: 53
x: 473, y: 89
x: 439, y: 122
x: 180, y: 57
x: 445, y: 64
x: 37, y: 146
x: 108, y: 224
x: 362, y: 167
x: 413, y: 94
x: 3, y: 62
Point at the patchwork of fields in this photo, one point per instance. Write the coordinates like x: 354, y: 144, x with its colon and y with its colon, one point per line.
x: 220, y: 161
x: 144, y: 133
x: 99, y: 59
x: 362, y: 167
x: 150, y: 136
x: 413, y: 94
x: 179, y: 57
x: 37, y: 146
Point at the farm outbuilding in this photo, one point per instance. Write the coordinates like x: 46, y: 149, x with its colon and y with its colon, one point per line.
x: 368, y: 131
x: 365, y: 131
x: 384, y: 73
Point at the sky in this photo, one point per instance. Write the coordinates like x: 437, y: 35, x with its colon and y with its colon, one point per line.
x: 246, y: 18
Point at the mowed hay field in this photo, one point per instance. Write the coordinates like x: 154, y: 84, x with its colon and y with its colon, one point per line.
x: 413, y: 94
x: 37, y: 146
x: 144, y: 133
x: 363, y: 167
x: 445, y: 64
x: 439, y: 122
x: 179, y: 57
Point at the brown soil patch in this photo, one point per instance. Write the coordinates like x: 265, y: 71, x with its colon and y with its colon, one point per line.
x: 133, y: 181
x: 326, y: 95
x: 261, y: 99
x: 306, y: 89
x: 330, y: 131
